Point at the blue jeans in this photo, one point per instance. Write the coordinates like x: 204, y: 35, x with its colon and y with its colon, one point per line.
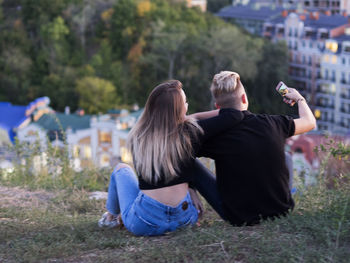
x: 142, y: 215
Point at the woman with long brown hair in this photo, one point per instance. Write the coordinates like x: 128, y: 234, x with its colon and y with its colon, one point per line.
x: 163, y: 143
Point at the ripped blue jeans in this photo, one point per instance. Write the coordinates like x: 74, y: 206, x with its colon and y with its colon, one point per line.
x: 141, y: 214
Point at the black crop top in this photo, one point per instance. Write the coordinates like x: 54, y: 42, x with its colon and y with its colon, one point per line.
x: 226, y: 119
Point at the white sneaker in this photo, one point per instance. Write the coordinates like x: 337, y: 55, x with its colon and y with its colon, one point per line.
x: 105, y: 223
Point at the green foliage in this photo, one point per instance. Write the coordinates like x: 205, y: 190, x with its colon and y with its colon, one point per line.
x: 45, y: 49
x: 96, y: 95
x: 1, y: 14
x: 55, y: 30
x: 215, y: 5
x: 126, y: 27
x: 335, y: 163
x: 272, y: 68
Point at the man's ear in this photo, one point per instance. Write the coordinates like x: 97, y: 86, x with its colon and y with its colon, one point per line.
x: 217, y: 106
x: 244, y: 99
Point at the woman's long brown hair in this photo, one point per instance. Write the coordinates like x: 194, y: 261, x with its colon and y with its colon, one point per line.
x: 161, y: 139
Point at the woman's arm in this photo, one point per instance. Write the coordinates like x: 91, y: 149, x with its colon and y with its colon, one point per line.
x: 204, y: 115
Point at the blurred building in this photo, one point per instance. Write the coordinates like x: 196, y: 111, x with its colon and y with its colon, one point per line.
x: 15, y: 117
x: 98, y: 140
x: 319, y: 63
x: 319, y: 55
x: 333, y: 87
x: 250, y: 17
x: 330, y: 7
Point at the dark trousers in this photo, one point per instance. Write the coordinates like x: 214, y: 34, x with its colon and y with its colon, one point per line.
x: 205, y: 183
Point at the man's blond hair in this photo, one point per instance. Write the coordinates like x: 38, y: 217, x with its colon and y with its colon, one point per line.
x: 224, y: 87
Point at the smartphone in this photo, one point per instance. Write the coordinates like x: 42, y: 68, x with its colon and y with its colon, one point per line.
x: 282, y: 88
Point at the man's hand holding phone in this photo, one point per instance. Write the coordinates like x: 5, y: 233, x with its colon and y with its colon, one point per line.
x: 290, y: 95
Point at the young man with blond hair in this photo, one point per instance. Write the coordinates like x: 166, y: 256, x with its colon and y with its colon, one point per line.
x: 252, y: 178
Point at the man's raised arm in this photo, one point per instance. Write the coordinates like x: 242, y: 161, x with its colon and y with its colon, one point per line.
x: 306, y: 121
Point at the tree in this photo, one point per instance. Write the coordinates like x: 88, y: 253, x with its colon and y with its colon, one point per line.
x: 96, y: 95
x: 272, y: 68
x: 1, y: 14
x: 55, y: 46
x: 105, y: 67
x: 59, y: 87
x: 166, y: 47
x: 214, y: 6
x: 14, y: 75
x: 125, y: 27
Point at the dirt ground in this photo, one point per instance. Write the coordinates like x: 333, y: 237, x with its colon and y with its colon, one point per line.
x: 19, y: 197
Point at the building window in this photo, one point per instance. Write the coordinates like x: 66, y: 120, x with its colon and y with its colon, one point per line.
x: 295, y: 32
x: 334, y: 59
x: 309, y: 74
x: 332, y: 46
x: 332, y: 90
x: 343, y: 61
x: 104, y: 161
x: 303, y: 59
x: 76, y: 151
x: 326, y: 73
x: 343, y: 77
x: 105, y: 137
x: 333, y: 75
x: 303, y: 43
x: 87, y: 152
x: 324, y: 35
x: 326, y: 58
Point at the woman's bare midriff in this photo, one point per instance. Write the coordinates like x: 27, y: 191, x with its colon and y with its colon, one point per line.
x: 170, y: 195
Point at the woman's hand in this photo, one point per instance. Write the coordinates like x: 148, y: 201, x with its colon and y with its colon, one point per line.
x: 196, y: 201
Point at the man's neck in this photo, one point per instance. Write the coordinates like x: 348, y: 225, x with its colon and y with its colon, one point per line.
x: 241, y: 107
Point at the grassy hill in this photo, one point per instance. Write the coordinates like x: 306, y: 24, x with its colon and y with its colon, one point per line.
x: 61, y: 226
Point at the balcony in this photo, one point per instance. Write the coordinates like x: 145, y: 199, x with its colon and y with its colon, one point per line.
x: 297, y: 64
x: 346, y: 115
x: 325, y: 106
x: 343, y: 124
x: 346, y: 84
x: 324, y: 81
x: 324, y: 123
x: 323, y: 95
x: 344, y: 98
x: 299, y: 78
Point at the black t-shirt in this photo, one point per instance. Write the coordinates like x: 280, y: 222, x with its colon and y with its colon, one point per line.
x: 212, y: 127
x: 251, y: 172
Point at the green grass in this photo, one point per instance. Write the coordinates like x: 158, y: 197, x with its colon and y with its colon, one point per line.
x: 62, y: 227
x: 59, y: 224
